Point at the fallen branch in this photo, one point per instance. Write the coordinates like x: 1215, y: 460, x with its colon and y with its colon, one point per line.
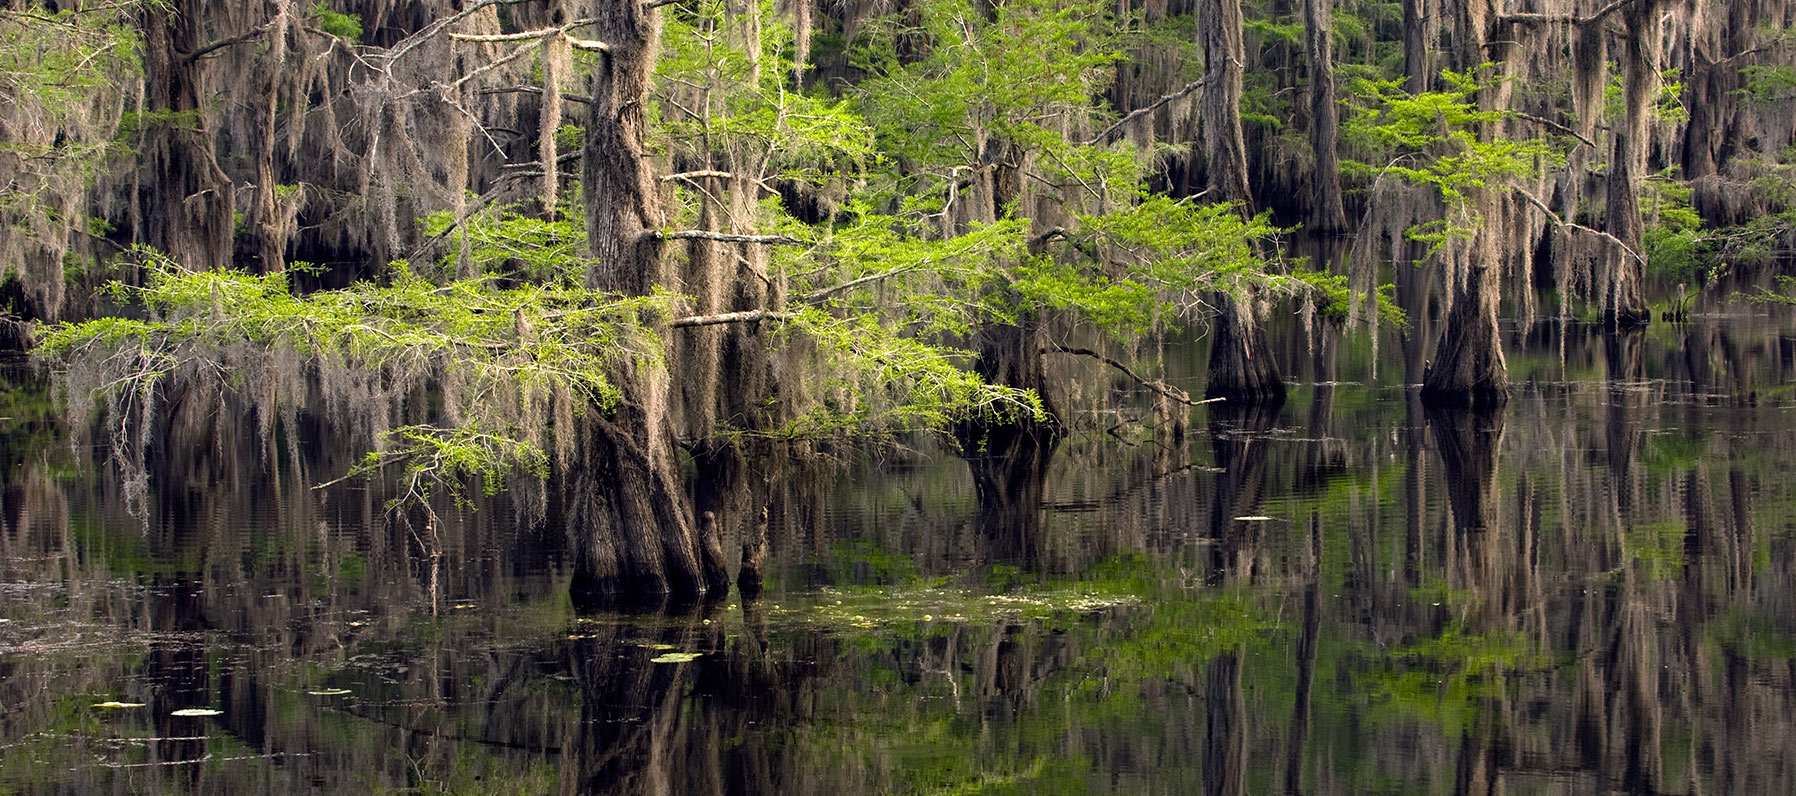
x: 1143, y: 111
x: 1156, y: 385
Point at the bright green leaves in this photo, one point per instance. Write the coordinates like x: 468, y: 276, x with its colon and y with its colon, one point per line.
x: 1015, y: 76
x: 347, y: 27
x: 1439, y: 138
x: 503, y: 362
x: 504, y: 242
x: 875, y: 382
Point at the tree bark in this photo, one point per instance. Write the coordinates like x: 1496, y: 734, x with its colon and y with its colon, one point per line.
x: 1624, y: 302
x: 1468, y: 367
x: 1326, y: 213
x: 1241, y: 364
x: 1417, y: 68
x: 184, y: 199
x: 641, y: 537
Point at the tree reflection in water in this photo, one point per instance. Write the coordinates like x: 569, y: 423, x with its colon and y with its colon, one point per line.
x: 1591, y: 589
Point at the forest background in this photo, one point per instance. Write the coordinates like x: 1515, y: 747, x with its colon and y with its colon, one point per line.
x: 612, y: 256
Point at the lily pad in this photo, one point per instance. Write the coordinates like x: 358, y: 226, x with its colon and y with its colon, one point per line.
x: 675, y: 657
x: 116, y: 705
x: 329, y: 692
x: 184, y: 712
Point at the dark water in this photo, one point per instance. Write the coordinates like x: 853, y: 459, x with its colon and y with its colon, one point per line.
x: 1591, y: 591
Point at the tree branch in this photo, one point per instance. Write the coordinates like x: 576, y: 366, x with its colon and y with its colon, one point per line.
x: 1563, y: 224
x: 580, y: 98
x: 1543, y: 19
x: 212, y: 47
x: 1140, y: 112
x: 854, y: 283
x: 1554, y: 125
x: 745, y: 316
x: 1156, y: 385
x: 578, y: 44
x: 411, y: 42
x: 689, y: 175
x: 725, y: 237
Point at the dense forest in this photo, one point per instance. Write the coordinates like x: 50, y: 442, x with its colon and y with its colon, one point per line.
x: 613, y: 257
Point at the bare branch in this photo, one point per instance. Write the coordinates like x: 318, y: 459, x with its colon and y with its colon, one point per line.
x: 411, y: 42
x: 1547, y: 19
x: 1554, y: 125
x: 745, y: 316
x: 530, y: 35
x: 689, y: 175
x: 580, y: 98
x: 854, y: 283
x: 725, y: 237
x: 1563, y: 224
x: 1156, y: 385
x: 1140, y: 112
x: 208, y: 49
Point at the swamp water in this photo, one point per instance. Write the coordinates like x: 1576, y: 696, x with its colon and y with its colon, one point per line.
x: 1593, y: 590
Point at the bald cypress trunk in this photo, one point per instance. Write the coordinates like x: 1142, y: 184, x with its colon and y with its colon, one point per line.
x: 183, y: 199
x: 1326, y: 212
x: 1623, y: 300
x: 638, y: 535
x: 1241, y: 365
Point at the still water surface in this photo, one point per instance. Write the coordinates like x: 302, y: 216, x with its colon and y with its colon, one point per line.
x: 1593, y: 590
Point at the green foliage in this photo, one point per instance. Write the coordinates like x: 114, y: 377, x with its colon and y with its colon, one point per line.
x: 1768, y: 84
x: 1437, y: 139
x: 347, y: 27
x: 1674, y: 239
x: 502, y: 353
x: 503, y: 241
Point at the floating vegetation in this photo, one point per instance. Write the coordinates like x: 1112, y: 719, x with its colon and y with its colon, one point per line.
x: 880, y: 606
x: 194, y: 712
x: 115, y: 705
x: 676, y: 657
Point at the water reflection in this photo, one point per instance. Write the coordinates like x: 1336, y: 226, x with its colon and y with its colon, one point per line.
x: 1592, y: 589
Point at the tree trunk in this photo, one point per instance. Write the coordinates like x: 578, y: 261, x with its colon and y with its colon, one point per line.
x: 1417, y: 70
x: 184, y: 199
x: 1623, y: 299
x: 1241, y: 364
x: 1225, y: 152
x: 1326, y: 212
x: 1468, y: 367
x: 641, y: 537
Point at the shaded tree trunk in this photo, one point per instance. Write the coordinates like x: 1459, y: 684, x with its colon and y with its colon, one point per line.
x: 1468, y: 367
x: 638, y: 535
x: 1326, y: 212
x: 1418, y: 69
x: 1624, y: 302
x: 1241, y: 364
x: 183, y: 199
